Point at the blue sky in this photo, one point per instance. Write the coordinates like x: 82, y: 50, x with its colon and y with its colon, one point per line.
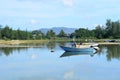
x: 36, y: 14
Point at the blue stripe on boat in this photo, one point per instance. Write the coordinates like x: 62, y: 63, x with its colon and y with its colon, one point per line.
x: 73, y: 49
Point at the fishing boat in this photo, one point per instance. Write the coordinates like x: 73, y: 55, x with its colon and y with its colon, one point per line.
x: 78, y: 49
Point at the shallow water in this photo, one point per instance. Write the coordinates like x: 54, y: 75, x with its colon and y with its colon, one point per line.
x: 42, y: 64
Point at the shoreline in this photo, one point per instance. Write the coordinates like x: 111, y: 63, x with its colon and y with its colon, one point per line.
x: 12, y: 42
x: 18, y: 46
x: 18, y: 43
x: 106, y: 43
x: 46, y: 41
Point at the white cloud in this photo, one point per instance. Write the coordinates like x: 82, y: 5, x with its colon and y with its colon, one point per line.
x: 68, y: 3
x: 58, y: 12
x: 33, y: 21
x: 69, y: 75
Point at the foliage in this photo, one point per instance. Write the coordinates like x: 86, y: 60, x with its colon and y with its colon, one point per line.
x: 113, y: 29
x: 50, y: 34
x: 7, y: 33
x: 83, y: 33
x: 37, y: 34
x: 110, y: 30
x: 62, y: 34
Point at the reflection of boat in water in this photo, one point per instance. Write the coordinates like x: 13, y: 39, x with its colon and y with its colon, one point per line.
x: 66, y: 54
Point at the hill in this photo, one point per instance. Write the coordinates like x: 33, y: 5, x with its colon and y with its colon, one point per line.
x: 58, y: 29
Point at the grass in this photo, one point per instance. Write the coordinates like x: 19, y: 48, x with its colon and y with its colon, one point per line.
x: 100, y: 41
x: 22, y: 41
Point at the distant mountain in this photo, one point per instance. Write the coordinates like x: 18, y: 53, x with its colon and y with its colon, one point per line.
x: 58, y: 29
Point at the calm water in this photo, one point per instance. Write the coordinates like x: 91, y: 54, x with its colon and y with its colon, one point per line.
x: 42, y: 64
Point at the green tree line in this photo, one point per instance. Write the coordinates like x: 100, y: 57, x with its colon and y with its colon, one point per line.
x: 8, y: 33
x: 110, y: 30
